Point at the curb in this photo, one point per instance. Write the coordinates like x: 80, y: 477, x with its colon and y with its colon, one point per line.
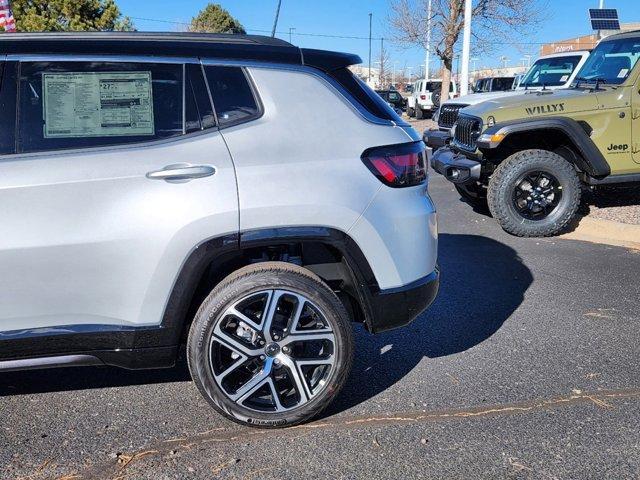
x: 597, y: 230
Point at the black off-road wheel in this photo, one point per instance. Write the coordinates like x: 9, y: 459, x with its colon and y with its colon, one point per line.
x: 411, y: 112
x: 534, y: 193
x: 419, y: 113
x: 474, y: 194
x: 271, y: 346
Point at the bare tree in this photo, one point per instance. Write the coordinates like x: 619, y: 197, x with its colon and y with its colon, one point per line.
x: 383, y: 60
x: 495, y: 22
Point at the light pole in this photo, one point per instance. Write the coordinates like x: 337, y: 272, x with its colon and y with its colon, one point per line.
x: 426, y: 58
x: 466, y: 48
x: 370, y: 18
x: 410, y: 74
x: 291, y: 29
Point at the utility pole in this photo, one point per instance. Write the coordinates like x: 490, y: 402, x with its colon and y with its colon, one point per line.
x: 466, y: 48
x: 370, y: 17
x: 275, y: 22
x: 426, y: 58
x: 291, y: 29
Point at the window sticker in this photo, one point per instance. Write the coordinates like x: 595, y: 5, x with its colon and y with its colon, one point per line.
x: 623, y: 73
x: 97, y: 104
x: 564, y: 78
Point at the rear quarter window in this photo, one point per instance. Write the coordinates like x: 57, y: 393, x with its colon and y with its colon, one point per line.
x: 365, y: 96
x: 233, y: 96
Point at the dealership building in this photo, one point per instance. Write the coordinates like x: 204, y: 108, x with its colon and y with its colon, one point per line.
x: 586, y: 42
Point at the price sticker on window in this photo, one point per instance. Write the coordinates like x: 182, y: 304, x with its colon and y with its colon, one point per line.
x: 97, y: 104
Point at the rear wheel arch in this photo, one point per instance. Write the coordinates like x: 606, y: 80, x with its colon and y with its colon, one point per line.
x: 328, y: 253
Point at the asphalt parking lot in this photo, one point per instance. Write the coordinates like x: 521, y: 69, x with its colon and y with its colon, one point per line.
x: 527, y: 366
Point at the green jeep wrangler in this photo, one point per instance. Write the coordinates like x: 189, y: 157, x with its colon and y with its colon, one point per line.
x: 530, y: 156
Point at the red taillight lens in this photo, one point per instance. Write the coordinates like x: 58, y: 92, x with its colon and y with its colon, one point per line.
x: 397, y: 165
x: 423, y: 97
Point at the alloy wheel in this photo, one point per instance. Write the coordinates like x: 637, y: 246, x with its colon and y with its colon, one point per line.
x: 536, y: 195
x: 272, y: 351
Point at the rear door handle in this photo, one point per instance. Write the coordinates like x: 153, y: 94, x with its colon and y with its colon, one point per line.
x: 182, y: 172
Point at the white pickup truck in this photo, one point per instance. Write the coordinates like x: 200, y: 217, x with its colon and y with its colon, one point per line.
x: 548, y: 72
x: 425, y: 98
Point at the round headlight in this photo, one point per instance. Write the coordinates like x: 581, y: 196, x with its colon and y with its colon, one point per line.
x: 491, y: 121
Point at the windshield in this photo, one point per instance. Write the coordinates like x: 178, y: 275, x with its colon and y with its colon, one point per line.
x: 612, y: 61
x: 550, y: 72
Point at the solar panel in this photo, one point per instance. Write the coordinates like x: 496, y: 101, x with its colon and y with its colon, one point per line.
x: 605, y: 24
x: 604, y: 19
x: 603, y: 13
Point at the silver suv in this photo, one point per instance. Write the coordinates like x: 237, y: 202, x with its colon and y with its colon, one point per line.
x: 162, y: 191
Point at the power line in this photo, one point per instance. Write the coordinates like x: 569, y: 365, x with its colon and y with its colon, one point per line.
x: 326, y: 35
x: 348, y: 37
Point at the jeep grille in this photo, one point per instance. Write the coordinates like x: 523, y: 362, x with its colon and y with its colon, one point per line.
x: 468, y: 130
x: 449, y: 115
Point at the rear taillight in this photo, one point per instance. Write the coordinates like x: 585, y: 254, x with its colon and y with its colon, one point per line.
x: 397, y: 166
x: 423, y: 97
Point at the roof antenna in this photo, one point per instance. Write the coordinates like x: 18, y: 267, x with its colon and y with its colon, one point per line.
x: 275, y: 22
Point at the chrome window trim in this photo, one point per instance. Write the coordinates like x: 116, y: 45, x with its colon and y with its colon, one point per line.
x: 330, y: 82
x: 10, y: 157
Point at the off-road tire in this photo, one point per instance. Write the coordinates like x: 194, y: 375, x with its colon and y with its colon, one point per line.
x: 411, y: 112
x: 253, y: 278
x: 435, y: 99
x: 503, y: 182
x: 419, y: 113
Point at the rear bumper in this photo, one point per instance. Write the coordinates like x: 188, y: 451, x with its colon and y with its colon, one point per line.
x: 455, y: 167
x: 397, y: 307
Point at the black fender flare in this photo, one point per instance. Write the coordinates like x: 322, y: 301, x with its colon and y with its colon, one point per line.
x: 591, y: 160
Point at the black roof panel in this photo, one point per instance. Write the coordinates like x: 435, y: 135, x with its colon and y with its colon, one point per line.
x: 232, y: 47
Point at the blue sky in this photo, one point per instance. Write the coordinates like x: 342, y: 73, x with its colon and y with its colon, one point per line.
x: 567, y: 18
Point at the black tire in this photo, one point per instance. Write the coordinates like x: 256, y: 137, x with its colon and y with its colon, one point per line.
x: 435, y: 99
x: 475, y: 195
x: 411, y: 112
x: 419, y: 113
x: 243, y: 283
x: 506, y: 177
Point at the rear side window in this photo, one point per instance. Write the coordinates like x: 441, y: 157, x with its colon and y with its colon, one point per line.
x: 63, y: 105
x: 366, y: 97
x: 232, y: 95
x: 502, y: 84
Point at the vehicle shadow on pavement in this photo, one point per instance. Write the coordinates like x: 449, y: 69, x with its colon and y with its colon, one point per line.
x: 483, y: 282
